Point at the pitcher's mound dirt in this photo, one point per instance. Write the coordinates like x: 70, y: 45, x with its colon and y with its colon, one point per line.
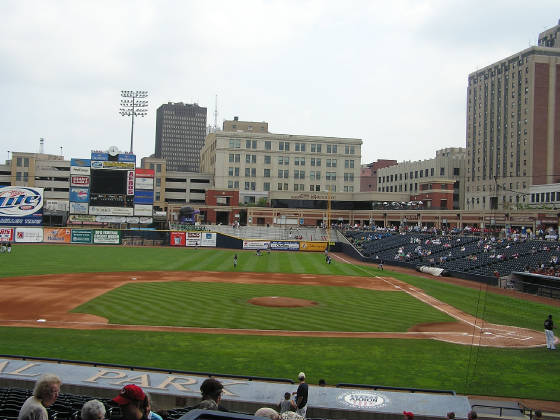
x: 281, y: 302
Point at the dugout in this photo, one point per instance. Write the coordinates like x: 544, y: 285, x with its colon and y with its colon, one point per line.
x: 535, y: 284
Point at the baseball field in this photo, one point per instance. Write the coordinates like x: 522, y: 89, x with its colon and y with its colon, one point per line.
x: 273, y: 315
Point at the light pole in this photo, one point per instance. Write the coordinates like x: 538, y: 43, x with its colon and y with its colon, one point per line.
x: 132, y: 105
x: 328, y: 216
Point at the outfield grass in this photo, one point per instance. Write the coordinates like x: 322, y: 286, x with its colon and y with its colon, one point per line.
x: 338, y: 309
x: 528, y: 373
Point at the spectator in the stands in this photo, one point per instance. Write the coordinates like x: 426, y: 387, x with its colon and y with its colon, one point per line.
x: 211, y: 390
x: 538, y: 415
x: 93, y: 410
x: 132, y: 402
x: 268, y: 413
x: 472, y: 415
x: 408, y: 415
x: 44, y: 395
x: 450, y: 415
x: 301, y: 395
x: 151, y: 414
x: 287, y: 404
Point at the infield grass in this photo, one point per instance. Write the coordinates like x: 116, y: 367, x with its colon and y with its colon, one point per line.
x: 527, y: 373
x: 225, y: 305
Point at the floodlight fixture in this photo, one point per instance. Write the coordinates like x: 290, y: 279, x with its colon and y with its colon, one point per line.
x: 132, y: 106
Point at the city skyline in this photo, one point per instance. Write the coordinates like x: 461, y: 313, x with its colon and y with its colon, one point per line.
x: 393, y: 75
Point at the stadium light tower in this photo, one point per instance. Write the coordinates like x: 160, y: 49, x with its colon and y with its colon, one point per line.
x: 133, y: 105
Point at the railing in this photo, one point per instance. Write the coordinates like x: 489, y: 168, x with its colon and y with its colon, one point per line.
x: 396, y: 388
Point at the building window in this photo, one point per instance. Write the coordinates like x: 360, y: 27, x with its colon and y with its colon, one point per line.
x: 266, y: 186
x: 331, y: 148
x: 267, y: 160
x: 267, y: 173
x: 268, y: 146
x: 456, y: 171
x: 300, y: 147
x: 441, y: 171
x: 234, y: 144
x: 284, y: 145
x: 330, y: 176
x: 315, y: 148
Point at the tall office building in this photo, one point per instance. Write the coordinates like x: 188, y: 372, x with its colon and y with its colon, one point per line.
x: 513, y: 126
x: 180, y: 133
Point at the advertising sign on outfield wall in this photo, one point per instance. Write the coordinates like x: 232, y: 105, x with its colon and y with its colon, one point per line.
x: 143, y: 210
x: 312, y: 246
x: 284, y: 245
x: 111, y: 211
x: 82, y: 236
x: 6, y: 235
x: 208, y: 239
x: 57, y: 235
x: 193, y: 239
x: 85, y: 163
x: 144, y: 183
x: 107, y: 237
x: 79, y: 195
x: 143, y: 197
x: 29, y: 234
x: 256, y: 244
x: 177, y: 239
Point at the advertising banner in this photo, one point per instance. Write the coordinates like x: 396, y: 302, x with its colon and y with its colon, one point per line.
x: 99, y: 156
x: 56, y: 205
x: 143, y: 209
x: 193, y: 239
x: 85, y: 163
x: 144, y: 183
x: 57, y: 235
x: 79, y: 208
x: 107, y: 237
x: 143, y: 197
x: 97, y: 164
x: 256, y: 244
x: 79, y: 195
x: 145, y: 220
x: 80, y: 170
x: 111, y: 211
x: 312, y: 246
x: 177, y: 239
x: 284, y: 245
x: 144, y: 173
x: 130, y: 183
x: 25, y: 234
x: 6, y: 235
x: 79, y: 181
x: 208, y: 239
x: 82, y: 236
x: 21, y: 206
x: 110, y: 219
x: 127, y: 157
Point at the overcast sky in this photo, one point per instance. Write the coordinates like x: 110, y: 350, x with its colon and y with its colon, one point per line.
x: 392, y: 73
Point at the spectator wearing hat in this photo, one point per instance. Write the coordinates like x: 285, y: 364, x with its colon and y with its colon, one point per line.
x: 93, y: 410
x: 211, y: 390
x: 132, y: 402
x: 408, y: 415
x: 44, y: 395
x: 301, y: 395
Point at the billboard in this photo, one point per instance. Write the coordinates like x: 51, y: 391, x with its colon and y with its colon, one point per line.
x: 111, y: 211
x: 284, y: 245
x: 57, y: 235
x: 208, y: 239
x: 142, y: 210
x: 21, y: 206
x: 312, y: 246
x: 99, y: 156
x: 130, y: 183
x: 6, y: 235
x: 106, y: 237
x: 79, y: 208
x: 25, y: 234
x: 80, y: 170
x: 84, y: 163
x: 144, y: 183
x: 193, y: 239
x: 144, y: 197
x: 256, y: 244
x: 79, y: 195
x: 144, y: 173
x: 81, y: 236
x: 98, y: 164
x: 127, y: 157
x: 79, y: 181
x: 177, y: 239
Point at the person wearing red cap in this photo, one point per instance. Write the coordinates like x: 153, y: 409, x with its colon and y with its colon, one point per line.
x: 408, y: 415
x: 132, y: 402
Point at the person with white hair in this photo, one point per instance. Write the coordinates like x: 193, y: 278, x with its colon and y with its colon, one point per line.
x: 268, y: 413
x: 93, y: 410
x: 44, y: 395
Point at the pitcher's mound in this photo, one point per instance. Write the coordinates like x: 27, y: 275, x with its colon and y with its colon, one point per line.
x: 281, y: 302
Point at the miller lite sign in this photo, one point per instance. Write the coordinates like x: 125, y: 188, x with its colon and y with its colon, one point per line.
x: 21, y: 206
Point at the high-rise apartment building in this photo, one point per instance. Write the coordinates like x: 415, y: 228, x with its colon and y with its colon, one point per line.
x: 513, y: 126
x: 180, y: 133
x: 250, y: 159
